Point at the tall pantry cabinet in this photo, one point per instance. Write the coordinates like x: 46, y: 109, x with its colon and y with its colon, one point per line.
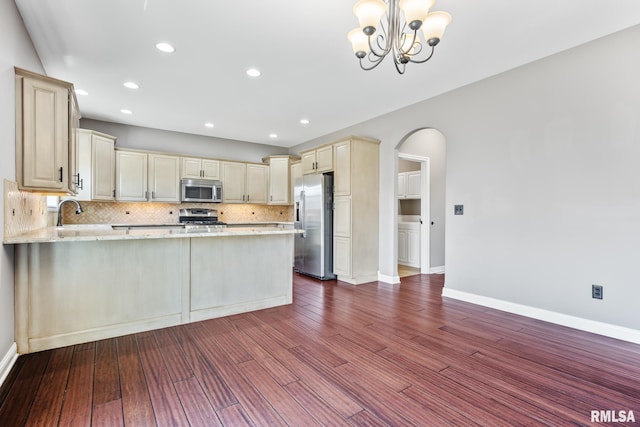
x: 355, y: 216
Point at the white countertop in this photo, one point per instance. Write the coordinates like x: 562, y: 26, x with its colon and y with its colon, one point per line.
x: 92, y: 232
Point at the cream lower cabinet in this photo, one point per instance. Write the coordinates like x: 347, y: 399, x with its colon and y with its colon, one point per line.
x: 144, y: 177
x: 409, y: 244
x: 44, y: 128
x: 96, y: 170
x: 196, y: 168
x: 244, y: 182
x: 355, y: 216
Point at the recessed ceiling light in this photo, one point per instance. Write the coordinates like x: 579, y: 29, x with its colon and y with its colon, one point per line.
x: 81, y: 92
x: 124, y: 111
x: 253, y: 72
x: 273, y: 135
x: 165, y: 47
x: 209, y: 125
x: 304, y: 121
x: 131, y: 85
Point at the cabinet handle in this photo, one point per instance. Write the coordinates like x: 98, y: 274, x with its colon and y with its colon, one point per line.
x: 271, y: 198
x: 153, y: 195
x: 243, y: 197
x: 60, y: 173
x: 114, y: 193
x: 247, y: 197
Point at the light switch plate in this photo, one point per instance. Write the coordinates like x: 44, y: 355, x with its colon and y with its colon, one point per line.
x: 458, y: 209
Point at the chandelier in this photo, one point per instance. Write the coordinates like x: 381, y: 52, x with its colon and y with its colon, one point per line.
x: 409, y: 31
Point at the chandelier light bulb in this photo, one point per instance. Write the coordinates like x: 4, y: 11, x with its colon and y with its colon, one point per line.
x: 434, y: 26
x: 369, y: 13
x: 415, y: 11
x: 359, y: 42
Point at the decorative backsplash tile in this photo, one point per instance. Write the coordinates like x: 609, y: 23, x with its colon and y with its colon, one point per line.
x: 167, y: 213
x: 23, y: 211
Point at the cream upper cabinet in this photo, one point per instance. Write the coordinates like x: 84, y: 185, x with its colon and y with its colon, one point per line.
x: 233, y: 179
x: 196, y: 168
x: 280, y: 178
x: 96, y: 170
x: 144, y: 176
x: 257, y: 183
x: 342, y: 168
x: 43, y: 131
x: 131, y: 176
x: 164, y: 178
x: 244, y: 182
x: 296, y: 172
x: 409, y: 185
x: 318, y: 160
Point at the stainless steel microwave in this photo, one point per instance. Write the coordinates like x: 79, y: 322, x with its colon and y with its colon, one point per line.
x: 200, y: 190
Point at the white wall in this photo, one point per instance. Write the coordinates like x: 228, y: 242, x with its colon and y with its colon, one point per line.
x: 15, y: 50
x: 182, y: 143
x: 545, y: 160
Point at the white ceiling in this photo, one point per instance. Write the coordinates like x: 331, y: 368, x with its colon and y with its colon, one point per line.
x: 309, y: 70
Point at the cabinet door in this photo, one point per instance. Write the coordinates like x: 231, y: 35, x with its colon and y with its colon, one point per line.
x: 233, y: 182
x: 257, y: 183
x: 45, y: 138
x: 342, y: 256
x: 342, y: 168
x: 296, y: 172
x: 403, y: 248
x: 279, y: 187
x: 83, y: 150
x: 342, y: 216
x: 131, y: 176
x: 164, y: 178
x: 308, y: 162
x: 74, y: 131
x: 103, y: 168
x: 324, y: 159
x: 191, y: 168
x: 413, y: 247
x: 210, y: 169
x: 414, y: 180
x: 402, y: 185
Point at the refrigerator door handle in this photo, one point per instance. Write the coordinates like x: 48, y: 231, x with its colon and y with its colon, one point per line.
x: 302, y: 208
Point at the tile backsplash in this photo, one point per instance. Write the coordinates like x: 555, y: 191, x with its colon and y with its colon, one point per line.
x: 23, y: 211
x: 167, y: 213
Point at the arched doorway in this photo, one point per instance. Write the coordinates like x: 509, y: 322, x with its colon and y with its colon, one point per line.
x: 426, y: 150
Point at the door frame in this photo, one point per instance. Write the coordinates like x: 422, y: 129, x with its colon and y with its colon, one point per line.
x: 425, y: 210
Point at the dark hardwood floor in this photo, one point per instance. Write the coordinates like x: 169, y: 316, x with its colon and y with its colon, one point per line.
x: 370, y: 355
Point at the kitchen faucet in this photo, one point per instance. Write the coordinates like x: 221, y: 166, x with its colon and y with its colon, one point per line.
x: 78, y: 211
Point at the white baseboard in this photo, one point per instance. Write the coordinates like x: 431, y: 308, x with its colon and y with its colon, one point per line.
x: 392, y: 280
x: 600, y: 328
x: 437, y: 270
x: 7, y: 362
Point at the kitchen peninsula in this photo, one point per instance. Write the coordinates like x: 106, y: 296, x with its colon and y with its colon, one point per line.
x: 82, y: 283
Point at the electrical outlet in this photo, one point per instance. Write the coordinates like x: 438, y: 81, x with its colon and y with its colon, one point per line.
x: 458, y: 209
x: 596, y: 291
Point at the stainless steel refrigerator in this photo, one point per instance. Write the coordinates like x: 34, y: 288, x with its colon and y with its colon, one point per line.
x: 313, y: 204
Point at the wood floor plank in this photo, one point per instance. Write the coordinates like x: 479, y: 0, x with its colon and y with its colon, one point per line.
x: 367, y: 355
x: 15, y: 407
x: 78, y: 401
x: 108, y: 414
x: 106, y: 384
x: 136, y: 403
x: 164, y: 399
x: 196, y: 406
x: 48, y: 401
